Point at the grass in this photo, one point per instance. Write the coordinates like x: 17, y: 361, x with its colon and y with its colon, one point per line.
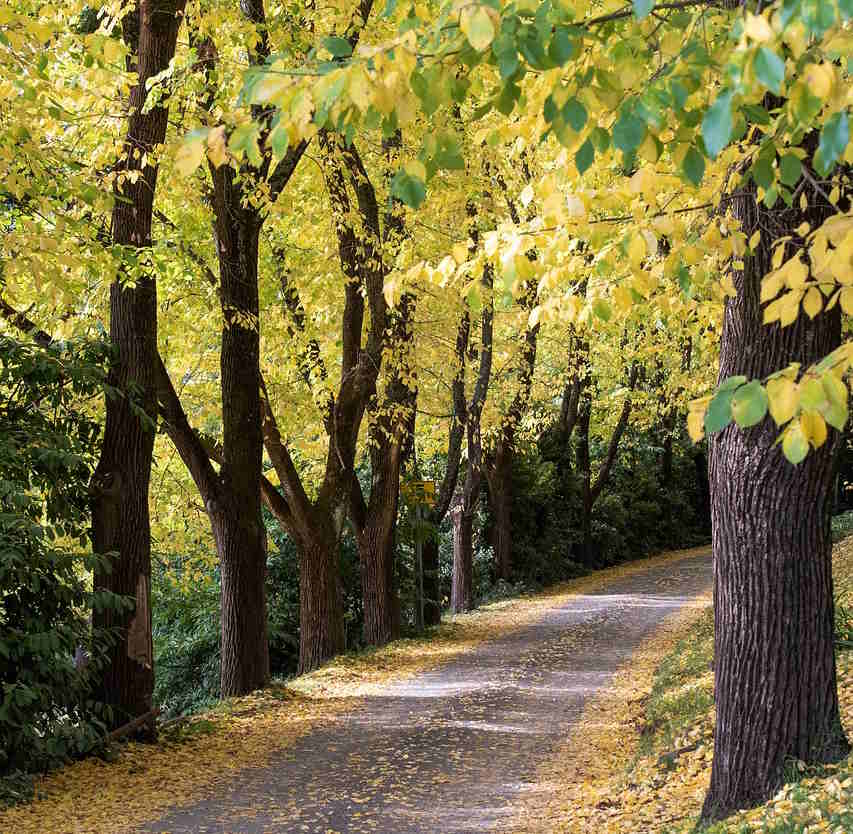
x: 680, y: 708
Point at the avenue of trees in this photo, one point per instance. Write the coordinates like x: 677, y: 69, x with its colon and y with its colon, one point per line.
x: 267, y: 269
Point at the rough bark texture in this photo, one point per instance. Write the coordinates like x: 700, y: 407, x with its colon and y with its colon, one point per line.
x: 236, y: 517
x: 321, y: 624
x: 462, y: 585
x: 499, y: 471
x: 120, y: 515
x: 391, y: 410
x: 775, y: 666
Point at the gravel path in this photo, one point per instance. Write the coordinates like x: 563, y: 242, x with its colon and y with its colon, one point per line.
x: 448, y: 751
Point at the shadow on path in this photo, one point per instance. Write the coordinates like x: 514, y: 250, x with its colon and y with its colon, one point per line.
x: 448, y: 751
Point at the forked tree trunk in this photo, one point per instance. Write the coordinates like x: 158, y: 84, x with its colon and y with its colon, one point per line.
x: 775, y: 665
x: 120, y: 516
x: 462, y: 587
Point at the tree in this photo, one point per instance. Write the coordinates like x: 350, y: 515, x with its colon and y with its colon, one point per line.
x: 120, y: 516
x: 462, y: 590
x: 772, y: 580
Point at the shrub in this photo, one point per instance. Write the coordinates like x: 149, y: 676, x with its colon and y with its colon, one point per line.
x: 48, y: 446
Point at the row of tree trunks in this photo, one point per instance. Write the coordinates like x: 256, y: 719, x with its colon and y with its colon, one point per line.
x: 120, y: 516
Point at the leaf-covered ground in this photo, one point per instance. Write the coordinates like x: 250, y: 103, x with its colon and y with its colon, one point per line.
x: 640, y: 760
x: 511, y: 651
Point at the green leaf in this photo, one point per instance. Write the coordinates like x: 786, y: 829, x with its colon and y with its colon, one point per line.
x: 717, y: 124
x: 749, y: 404
x: 408, y: 189
x: 833, y: 142
x: 693, y: 166
x: 732, y: 382
x: 562, y: 48
x: 575, y: 113
x: 790, y: 169
x: 601, y: 308
x: 719, y: 413
x: 642, y: 8
x: 600, y: 139
x: 584, y: 156
x: 628, y: 132
x: 339, y: 47
x: 477, y: 26
x: 795, y: 446
x: 769, y: 69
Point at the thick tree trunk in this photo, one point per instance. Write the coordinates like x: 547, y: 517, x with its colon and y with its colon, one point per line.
x: 240, y: 535
x: 378, y: 585
x: 775, y: 665
x: 321, y: 623
x: 120, y: 516
x: 462, y: 589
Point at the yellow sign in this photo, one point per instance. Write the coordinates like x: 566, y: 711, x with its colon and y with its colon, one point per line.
x: 419, y: 492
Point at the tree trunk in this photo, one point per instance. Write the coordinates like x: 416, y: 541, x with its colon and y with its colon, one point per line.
x: 240, y: 535
x: 120, y: 516
x: 500, y: 493
x: 378, y: 585
x: 432, y: 580
x: 462, y: 589
x: 775, y: 665
x: 321, y: 623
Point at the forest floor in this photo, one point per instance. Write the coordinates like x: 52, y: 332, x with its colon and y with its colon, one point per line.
x: 457, y: 732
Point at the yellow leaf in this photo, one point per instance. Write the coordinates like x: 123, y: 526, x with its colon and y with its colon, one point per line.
x: 460, y: 253
x: 814, y: 428
x: 755, y: 239
x: 757, y: 28
x: 636, y: 250
x: 476, y: 24
x: 819, y: 78
x: 190, y: 153
x: 216, y: 150
x: 783, y: 399
x: 846, y: 300
x: 813, y: 302
x: 696, y: 425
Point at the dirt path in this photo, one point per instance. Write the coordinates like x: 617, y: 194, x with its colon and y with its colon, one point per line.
x: 448, y: 751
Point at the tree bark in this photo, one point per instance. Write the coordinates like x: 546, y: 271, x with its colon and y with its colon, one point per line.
x: 462, y: 587
x: 237, y: 522
x: 775, y: 668
x: 456, y: 434
x: 321, y: 625
x: 121, y: 526
x: 499, y: 470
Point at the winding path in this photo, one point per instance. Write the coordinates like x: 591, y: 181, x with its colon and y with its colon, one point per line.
x: 448, y: 751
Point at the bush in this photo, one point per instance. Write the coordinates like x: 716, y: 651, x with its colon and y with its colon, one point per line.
x: 48, y: 447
